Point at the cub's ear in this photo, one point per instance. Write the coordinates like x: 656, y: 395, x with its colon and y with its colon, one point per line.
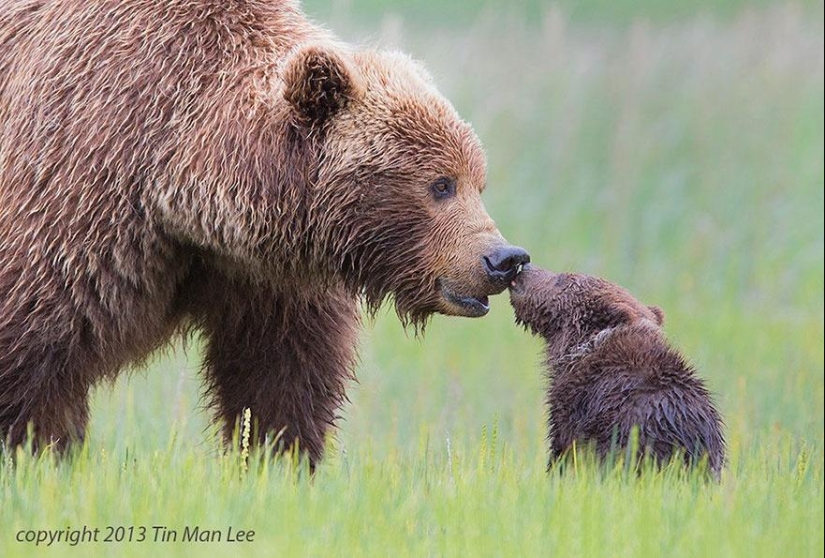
x: 620, y: 313
x: 317, y: 84
x: 659, y: 313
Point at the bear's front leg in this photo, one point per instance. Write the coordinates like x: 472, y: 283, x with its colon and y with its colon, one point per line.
x: 286, y: 357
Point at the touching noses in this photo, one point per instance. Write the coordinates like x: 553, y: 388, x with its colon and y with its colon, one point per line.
x: 503, y: 263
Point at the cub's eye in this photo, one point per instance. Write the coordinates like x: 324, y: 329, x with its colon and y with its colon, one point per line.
x: 443, y: 188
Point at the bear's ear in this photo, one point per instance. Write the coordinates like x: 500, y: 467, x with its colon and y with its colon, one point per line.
x: 620, y: 313
x: 317, y: 84
x: 659, y: 313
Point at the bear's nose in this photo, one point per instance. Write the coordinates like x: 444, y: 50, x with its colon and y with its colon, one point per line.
x: 503, y: 263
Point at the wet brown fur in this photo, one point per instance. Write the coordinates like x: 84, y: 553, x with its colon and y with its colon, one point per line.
x: 610, y: 370
x: 226, y: 166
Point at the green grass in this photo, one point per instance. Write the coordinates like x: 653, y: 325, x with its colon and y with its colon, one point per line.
x: 482, y: 500
x: 437, y: 13
x: 680, y: 158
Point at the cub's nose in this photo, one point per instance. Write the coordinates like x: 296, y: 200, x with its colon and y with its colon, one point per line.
x: 503, y: 263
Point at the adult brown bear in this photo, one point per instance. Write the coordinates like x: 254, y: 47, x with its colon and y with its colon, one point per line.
x: 229, y: 166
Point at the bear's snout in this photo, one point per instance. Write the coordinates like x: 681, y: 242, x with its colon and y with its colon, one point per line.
x: 504, y: 263
x: 531, y: 279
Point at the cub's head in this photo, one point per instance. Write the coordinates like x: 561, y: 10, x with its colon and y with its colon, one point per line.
x: 397, y: 196
x: 568, y: 309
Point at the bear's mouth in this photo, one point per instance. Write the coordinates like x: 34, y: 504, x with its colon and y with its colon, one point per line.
x: 516, y: 285
x: 469, y: 306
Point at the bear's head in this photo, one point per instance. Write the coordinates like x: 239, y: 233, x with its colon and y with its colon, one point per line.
x: 571, y: 310
x: 397, y: 184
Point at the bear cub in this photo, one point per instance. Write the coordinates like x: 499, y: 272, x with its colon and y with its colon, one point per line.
x: 611, y: 369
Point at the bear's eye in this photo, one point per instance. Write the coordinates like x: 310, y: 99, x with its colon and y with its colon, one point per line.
x: 443, y: 188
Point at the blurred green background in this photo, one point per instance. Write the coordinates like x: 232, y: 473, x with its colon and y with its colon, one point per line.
x: 457, y: 13
x: 673, y: 147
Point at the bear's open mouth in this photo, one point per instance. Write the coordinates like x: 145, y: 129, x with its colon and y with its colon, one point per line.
x: 516, y: 285
x: 470, y: 306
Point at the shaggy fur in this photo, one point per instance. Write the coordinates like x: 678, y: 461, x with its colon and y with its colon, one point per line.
x: 226, y: 166
x: 610, y: 370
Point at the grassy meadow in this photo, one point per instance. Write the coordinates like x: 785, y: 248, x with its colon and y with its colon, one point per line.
x: 677, y: 152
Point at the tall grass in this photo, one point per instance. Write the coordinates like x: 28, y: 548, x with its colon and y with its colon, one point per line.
x: 482, y: 499
x: 681, y: 158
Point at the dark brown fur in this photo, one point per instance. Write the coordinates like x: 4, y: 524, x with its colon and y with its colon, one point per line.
x: 610, y: 370
x: 226, y: 166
